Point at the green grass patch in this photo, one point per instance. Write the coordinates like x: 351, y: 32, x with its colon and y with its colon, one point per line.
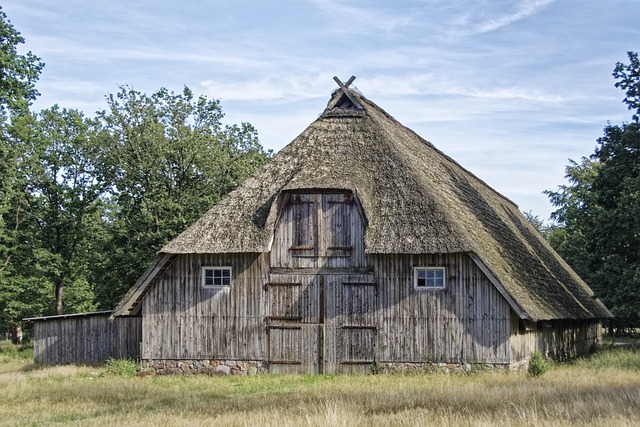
x: 599, y: 390
x: 121, y: 367
x: 611, y: 358
x: 10, y: 351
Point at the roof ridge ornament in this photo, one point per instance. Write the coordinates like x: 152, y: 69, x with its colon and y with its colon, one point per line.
x: 344, y: 88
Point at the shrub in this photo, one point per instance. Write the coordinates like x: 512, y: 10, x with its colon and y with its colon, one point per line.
x: 121, y: 367
x: 537, y: 365
x: 12, y: 351
x: 9, y: 350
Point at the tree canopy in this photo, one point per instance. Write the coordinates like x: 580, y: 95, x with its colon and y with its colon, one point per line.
x: 85, y: 203
x: 18, y: 73
x: 171, y: 160
x: 598, y: 212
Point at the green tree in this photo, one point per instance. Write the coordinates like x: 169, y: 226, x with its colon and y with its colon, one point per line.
x: 628, y: 76
x: 172, y: 159
x: 18, y: 75
x: 599, y: 211
x: 62, y: 188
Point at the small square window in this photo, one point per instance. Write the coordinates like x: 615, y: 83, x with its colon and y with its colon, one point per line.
x: 429, y: 277
x: 216, y: 277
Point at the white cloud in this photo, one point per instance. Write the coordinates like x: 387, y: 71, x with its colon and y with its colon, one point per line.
x: 486, y: 17
x: 86, y: 52
x: 272, y: 88
x: 370, y: 17
x: 432, y: 84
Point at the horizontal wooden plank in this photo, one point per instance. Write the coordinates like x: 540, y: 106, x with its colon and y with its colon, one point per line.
x: 357, y: 362
x: 283, y: 327
x: 294, y: 318
x: 358, y: 284
x: 284, y: 284
x: 322, y: 271
x: 371, y: 327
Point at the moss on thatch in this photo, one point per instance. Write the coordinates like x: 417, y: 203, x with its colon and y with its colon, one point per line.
x: 415, y: 200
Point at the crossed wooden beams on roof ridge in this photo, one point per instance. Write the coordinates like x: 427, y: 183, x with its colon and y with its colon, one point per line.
x: 344, y: 87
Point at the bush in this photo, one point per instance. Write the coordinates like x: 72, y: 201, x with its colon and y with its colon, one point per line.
x: 537, y: 365
x: 12, y: 351
x: 121, y: 367
x: 611, y: 357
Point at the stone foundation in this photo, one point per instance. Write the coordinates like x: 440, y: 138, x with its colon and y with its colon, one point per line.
x: 442, y: 368
x: 204, y: 367
x: 253, y: 367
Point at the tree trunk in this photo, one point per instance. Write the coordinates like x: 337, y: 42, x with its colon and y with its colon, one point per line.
x: 17, y: 334
x: 59, y: 289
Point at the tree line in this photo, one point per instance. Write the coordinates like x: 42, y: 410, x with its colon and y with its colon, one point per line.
x: 86, y: 202
x: 596, y: 226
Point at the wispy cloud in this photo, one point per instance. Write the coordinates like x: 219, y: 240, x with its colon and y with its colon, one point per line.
x: 437, y: 84
x: 486, y: 17
x: 370, y: 17
x: 272, y: 88
x: 86, y: 52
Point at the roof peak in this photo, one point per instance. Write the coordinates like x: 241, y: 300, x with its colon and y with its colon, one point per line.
x: 343, y: 98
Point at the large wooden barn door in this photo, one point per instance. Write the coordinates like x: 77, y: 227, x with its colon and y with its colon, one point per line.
x: 294, y: 320
x: 350, y: 330
x: 321, y: 302
x: 321, y: 323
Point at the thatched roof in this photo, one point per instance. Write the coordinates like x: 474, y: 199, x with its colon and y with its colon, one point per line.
x: 415, y: 200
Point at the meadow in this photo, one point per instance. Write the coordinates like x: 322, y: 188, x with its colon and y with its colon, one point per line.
x: 602, y: 390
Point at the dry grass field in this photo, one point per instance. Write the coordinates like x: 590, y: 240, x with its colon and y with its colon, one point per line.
x: 602, y: 390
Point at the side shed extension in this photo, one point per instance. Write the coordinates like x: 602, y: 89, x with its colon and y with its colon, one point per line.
x: 86, y: 338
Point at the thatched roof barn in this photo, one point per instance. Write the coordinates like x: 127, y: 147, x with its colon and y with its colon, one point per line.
x: 410, y: 209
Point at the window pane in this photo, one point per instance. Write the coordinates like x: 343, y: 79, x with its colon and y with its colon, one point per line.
x: 220, y: 276
x: 427, y: 277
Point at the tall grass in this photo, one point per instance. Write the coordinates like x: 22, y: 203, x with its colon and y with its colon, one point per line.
x: 601, y: 390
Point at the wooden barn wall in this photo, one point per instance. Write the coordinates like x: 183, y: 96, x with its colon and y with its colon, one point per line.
x: 89, y: 339
x: 183, y: 320
x: 557, y: 339
x: 390, y: 321
x: 467, y: 321
x: 319, y: 231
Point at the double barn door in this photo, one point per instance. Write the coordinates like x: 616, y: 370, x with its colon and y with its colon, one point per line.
x: 321, y: 323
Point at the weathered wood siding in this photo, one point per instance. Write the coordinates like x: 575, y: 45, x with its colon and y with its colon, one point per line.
x: 321, y: 323
x: 557, y: 339
x: 467, y: 321
x: 86, y: 339
x: 327, y: 322
x: 319, y: 230
x: 317, y: 303
x: 351, y: 324
x: 183, y: 320
x: 294, y: 322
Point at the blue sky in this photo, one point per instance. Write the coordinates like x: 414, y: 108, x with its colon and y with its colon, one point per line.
x: 509, y: 89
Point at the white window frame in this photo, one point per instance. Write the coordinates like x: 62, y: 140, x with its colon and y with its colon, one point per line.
x: 222, y: 276
x: 418, y: 270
